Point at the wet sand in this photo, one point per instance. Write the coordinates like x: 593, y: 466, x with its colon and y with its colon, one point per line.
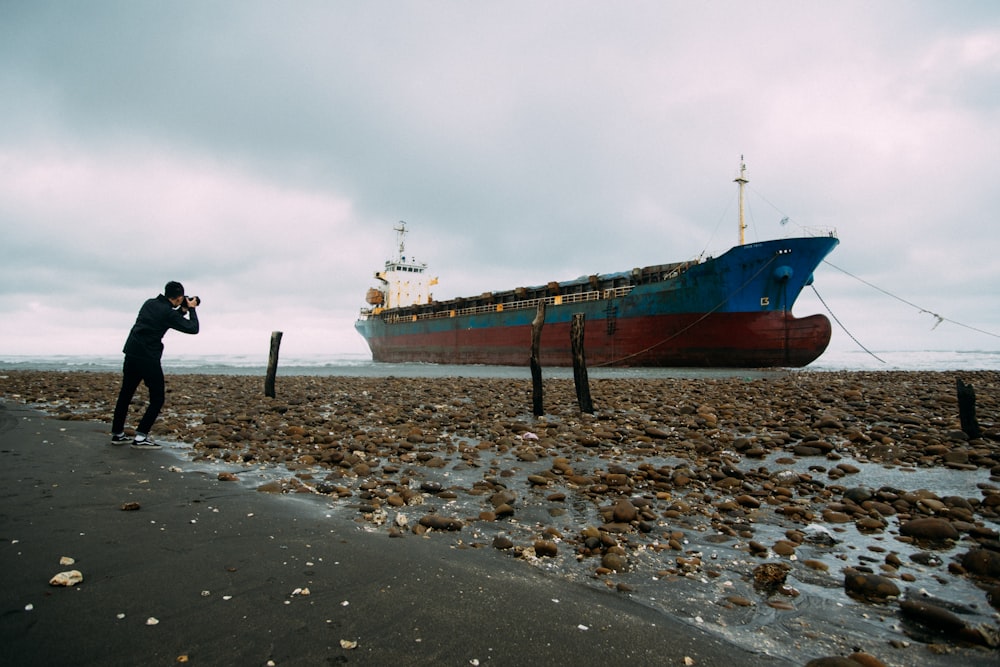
x: 746, y: 507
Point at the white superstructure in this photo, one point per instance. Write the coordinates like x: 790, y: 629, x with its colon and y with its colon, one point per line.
x: 403, y: 282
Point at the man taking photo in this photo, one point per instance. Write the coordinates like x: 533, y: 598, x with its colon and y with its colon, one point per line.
x: 143, y: 350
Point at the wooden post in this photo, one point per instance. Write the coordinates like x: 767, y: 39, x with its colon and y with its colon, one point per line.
x: 580, y: 364
x: 536, y: 368
x: 272, y: 364
x: 967, y: 410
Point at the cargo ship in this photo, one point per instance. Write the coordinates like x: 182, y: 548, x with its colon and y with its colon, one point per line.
x: 731, y: 311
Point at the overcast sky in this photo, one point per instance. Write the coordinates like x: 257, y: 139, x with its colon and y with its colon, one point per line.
x: 262, y: 152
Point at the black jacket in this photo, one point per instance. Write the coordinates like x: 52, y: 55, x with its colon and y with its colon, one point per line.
x: 145, y: 340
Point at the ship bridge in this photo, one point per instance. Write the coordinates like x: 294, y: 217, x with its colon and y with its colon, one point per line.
x: 404, y: 281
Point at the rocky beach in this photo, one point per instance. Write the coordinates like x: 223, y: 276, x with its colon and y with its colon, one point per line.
x: 800, y: 515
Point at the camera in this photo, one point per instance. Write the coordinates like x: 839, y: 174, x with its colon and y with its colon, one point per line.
x: 194, y: 300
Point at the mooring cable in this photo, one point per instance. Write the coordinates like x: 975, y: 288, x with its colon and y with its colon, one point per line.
x: 841, y: 325
x: 939, y: 318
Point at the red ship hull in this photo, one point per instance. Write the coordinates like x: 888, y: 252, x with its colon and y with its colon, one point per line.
x: 735, y: 340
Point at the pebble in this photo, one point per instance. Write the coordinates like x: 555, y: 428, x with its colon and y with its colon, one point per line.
x: 614, y: 561
x: 624, y: 511
x: 674, y: 464
x: 67, y: 578
x: 502, y: 542
x: 546, y: 548
x: 770, y: 576
x: 438, y: 522
x: 853, y: 660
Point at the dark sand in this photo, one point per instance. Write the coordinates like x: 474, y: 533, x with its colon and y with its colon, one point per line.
x: 651, y: 472
x: 196, y: 541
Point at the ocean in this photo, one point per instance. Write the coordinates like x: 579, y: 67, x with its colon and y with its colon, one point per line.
x: 361, y: 365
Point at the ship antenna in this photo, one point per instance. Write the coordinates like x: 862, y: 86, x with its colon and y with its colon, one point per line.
x: 401, y: 238
x: 742, y: 180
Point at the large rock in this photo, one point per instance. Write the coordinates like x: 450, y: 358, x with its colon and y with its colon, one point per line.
x: 982, y: 562
x: 937, y: 530
x: 869, y: 586
x: 858, y: 494
x: 936, y: 618
x: 940, y: 621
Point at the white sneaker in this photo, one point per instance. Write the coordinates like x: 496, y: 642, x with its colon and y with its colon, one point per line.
x: 145, y: 443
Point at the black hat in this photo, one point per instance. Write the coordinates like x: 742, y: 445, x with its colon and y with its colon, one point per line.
x: 173, y: 289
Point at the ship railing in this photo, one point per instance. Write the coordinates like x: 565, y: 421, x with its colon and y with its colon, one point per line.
x: 817, y: 230
x: 556, y: 300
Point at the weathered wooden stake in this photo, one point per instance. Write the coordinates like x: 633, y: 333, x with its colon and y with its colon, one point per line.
x: 967, y: 410
x: 580, y: 364
x: 536, y: 368
x: 272, y: 364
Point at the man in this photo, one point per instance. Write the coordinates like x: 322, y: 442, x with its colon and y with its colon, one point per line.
x: 143, y: 350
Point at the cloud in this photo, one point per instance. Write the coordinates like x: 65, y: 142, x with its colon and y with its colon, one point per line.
x: 261, y: 153
x: 104, y: 233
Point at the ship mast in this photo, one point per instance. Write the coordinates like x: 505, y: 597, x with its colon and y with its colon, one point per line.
x: 742, y: 180
x: 400, y: 239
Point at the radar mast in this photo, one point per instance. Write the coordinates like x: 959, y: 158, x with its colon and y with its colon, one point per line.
x: 742, y: 180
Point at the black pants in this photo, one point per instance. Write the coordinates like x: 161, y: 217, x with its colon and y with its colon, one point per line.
x: 134, y: 371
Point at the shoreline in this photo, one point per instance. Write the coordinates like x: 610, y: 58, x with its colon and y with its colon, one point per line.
x: 361, y: 364
x: 672, y: 489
